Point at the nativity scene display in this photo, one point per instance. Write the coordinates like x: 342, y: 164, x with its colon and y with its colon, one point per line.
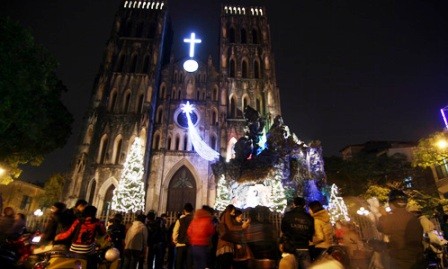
x: 269, y: 168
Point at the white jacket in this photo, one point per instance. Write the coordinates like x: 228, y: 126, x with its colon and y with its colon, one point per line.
x: 136, y: 236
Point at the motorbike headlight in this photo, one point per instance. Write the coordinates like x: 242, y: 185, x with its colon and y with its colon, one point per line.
x: 36, y: 239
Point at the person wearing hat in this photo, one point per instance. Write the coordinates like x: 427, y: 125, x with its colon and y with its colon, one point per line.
x: 404, y: 231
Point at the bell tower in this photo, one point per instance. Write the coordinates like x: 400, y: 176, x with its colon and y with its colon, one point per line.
x: 123, y: 100
x: 247, y: 69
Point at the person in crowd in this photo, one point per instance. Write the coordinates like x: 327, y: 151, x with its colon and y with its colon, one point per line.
x: 19, y: 226
x: 242, y: 253
x: 200, y: 232
x: 171, y: 246
x: 224, y: 249
x: 323, y: 229
x: 75, y: 212
x: 6, y: 222
x: 180, y: 238
x: 297, y: 227
x: 157, y: 238
x: 116, y: 232
x: 288, y: 250
x: 84, y: 232
x: 54, y: 224
x: 135, y: 242
x: 261, y: 235
x: 211, y: 262
x: 404, y: 231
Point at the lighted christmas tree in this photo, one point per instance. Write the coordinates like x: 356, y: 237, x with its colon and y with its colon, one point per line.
x: 278, y: 196
x: 130, y: 194
x: 222, y: 194
x: 336, y: 206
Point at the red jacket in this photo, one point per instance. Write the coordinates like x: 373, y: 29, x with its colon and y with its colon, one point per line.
x: 201, y: 228
x: 88, y: 231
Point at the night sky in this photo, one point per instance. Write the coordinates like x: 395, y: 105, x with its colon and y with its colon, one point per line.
x: 348, y: 71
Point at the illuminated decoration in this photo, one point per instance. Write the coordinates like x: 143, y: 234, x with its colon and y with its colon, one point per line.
x: 199, y: 145
x: 129, y: 196
x: 336, y: 206
x: 444, y: 112
x: 191, y: 65
x: 223, y: 198
x: 144, y: 4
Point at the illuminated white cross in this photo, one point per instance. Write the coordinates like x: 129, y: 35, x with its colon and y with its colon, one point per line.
x: 192, y: 40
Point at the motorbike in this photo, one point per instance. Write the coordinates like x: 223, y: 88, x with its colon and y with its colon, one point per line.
x: 15, y: 252
x: 56, y: 256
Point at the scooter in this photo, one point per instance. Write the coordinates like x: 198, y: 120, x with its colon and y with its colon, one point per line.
x: 56, y: 256
x: 16, y: 252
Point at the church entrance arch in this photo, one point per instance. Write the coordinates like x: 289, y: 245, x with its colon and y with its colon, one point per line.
x: 182, y: 189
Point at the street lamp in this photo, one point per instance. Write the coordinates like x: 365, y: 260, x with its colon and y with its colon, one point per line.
x: 2, y: 171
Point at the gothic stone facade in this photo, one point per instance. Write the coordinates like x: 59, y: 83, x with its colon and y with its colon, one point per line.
x: 139, y: 90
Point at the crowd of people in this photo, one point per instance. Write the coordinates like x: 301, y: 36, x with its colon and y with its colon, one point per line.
x: 233, y: 239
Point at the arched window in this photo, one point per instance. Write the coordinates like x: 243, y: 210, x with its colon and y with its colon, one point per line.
x: 258, y: 105
x: 232, y: 108
x: 178, y: 94
x: 243, y: 36
x: 232, y: 68
x: 117, y: 147
x: 141, y: 99
x: 215, y: 94
x: 231, y: 35
x: 146, y: 64
x: 245, y: 102
x: 254, y: 36
x: 120, y: 63
x: 128, y: 28
x: 185, y: 142
x: 244, y: 69
x: 159, y: 115
x: 127, y: 100
x: 152, y: 30
x: 162, y: 92
x: 197, y: 95
x: 139, y: 32
x: 214, y: 117
x: 155, y: 145
x: 177, y: 143
x: 113, y: 101
x: 133, y: 64
x: 169, y: 143
x: 256, y: 69
x: 103, y: 149
x: 213, y: 142
x: 92, y: 191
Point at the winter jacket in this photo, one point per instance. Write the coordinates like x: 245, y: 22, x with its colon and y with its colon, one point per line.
x: 227, y: 222
x: 136, y: 236
x: 201, y: 228
x: 84, y: 234
x: 323, y: 230
x: 179, y: 236
x: 298, y: 226
x: 405, y: 234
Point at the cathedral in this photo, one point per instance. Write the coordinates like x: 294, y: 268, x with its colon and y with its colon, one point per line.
x: 140, y: 90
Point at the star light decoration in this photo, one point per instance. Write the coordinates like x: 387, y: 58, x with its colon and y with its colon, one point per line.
x: 200, y: 146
